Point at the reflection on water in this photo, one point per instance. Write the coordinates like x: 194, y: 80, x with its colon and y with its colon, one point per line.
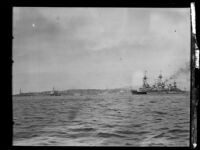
x: 102, y: 120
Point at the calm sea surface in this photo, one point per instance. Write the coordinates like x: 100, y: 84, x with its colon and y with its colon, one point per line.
x: 102, y: 120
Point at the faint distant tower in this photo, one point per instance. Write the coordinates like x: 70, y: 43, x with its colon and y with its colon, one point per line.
x: 53, y: 89
x: 20, y: 91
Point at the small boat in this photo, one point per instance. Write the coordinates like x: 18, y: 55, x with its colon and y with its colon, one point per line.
x: 138, y: 92
x: 54, y: 93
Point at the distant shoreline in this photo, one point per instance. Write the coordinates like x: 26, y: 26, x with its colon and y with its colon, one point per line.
x: 75, y: 91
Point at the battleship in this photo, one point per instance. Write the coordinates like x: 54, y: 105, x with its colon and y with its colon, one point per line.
x: 159, y: 87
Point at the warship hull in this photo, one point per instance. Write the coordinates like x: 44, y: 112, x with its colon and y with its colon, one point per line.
x: 138, y: 92
x: 166, y: 92
x: 157, y: 92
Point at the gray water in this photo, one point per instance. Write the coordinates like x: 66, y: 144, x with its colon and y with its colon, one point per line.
x: 102, y: 120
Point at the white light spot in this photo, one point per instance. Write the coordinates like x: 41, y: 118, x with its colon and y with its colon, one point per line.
x: 194, y: 145
x: 33, y: 25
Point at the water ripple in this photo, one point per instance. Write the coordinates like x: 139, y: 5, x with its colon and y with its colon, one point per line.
x: 121, y: 119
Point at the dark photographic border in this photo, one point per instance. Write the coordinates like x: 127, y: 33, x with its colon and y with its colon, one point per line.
x: 194, y: 74
x: 194, y: 94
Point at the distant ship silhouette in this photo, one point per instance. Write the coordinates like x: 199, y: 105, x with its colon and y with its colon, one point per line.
x: 54, y: 92
x: 158, y: 87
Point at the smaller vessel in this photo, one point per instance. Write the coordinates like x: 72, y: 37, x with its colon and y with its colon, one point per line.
x: 54, y: 93
x: 22, y: 93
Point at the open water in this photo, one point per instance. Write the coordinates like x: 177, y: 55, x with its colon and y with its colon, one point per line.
x: 102, y: 120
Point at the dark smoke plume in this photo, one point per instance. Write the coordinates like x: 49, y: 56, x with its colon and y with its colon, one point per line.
x: 181, y: 71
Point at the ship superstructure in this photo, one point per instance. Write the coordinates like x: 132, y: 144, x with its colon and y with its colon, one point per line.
x: 159, y: 86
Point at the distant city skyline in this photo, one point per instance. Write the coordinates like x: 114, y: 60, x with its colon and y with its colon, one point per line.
x: 84, y: 48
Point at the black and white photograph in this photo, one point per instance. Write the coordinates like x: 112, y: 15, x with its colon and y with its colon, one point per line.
x: 101, y: 76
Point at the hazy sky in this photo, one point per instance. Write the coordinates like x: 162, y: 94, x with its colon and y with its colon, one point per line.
x: 97, y: 47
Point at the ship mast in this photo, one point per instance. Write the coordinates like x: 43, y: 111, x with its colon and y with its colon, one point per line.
x: 160, y: 77
x: 53, y: 89
x: 175, y: 84
x: 145, y: 84
x: 159, y: 84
